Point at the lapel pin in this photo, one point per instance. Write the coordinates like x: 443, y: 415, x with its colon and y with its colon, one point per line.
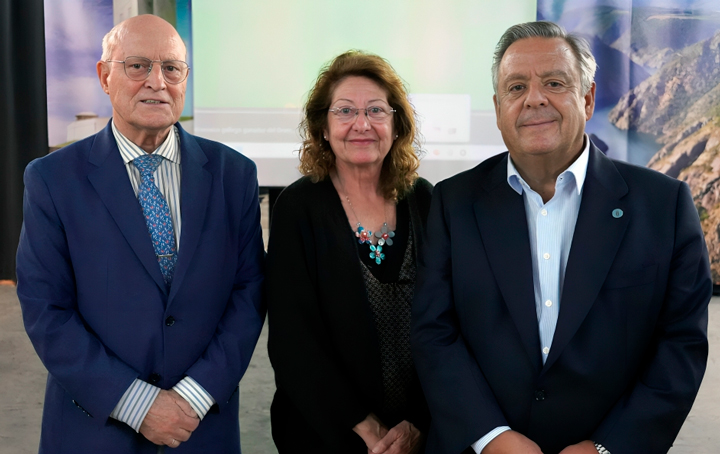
x: 617, y: 213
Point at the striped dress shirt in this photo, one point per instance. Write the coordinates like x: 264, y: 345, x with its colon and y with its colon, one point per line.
x: 550, y: 226
x: 135, y: 403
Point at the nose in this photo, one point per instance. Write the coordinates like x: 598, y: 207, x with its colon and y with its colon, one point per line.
x: 155, y: 79
x: 535, y: 96
x: 361, y: 121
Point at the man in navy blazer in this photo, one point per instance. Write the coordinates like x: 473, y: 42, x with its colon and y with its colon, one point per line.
x: 139, y: 359
x: 562, y: 296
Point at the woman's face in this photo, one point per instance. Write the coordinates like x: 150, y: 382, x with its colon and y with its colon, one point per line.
x: 360, y: 141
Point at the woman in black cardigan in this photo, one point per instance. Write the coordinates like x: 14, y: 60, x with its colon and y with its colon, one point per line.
x: 341, y: 270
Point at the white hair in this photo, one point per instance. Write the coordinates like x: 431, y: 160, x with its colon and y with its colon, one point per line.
x: 111, y: 40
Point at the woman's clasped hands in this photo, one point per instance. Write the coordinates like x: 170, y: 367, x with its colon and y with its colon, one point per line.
x: 404, y: 438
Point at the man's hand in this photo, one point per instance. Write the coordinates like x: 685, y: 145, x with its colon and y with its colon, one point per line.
x: 371, y: 430
x: 511, y: 442
x: 170, y: 420
x: 584, y: 447
x: 404, y: 438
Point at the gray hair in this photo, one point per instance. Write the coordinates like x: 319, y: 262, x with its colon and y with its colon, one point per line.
x: 544, y: 29
x: 111, y: 40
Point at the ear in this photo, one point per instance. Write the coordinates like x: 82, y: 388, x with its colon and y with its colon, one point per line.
x: 103, y: 72
x: 497, y: 111
x: 590, y: 102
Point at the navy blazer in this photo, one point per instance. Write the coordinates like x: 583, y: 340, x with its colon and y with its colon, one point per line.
x: 630, y: 346
x: 97, y: 310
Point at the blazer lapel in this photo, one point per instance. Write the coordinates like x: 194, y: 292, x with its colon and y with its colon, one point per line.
x: 597, y: 237
x: 110, y: 180
x: 500, y: 215
x: 194, y: 199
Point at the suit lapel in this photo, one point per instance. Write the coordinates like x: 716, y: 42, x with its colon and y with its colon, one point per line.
x: 110, y: 180
x: 194, y: 199
x: 500, y: 215
x: 596, y: 239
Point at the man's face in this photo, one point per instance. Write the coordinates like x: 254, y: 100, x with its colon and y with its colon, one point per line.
x: 541, y: 110
x: 149, y: 107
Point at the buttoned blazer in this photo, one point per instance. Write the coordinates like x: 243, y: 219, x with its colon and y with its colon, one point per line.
x: 95, y: 305
x: 322, y: 340
x: 630, y: 346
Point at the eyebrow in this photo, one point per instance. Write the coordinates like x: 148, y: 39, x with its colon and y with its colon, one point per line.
x: 557, y: 72
x: 370, y: 101
x: 523, y: 77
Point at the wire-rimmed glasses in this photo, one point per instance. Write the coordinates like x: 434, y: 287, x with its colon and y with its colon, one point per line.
x: 373, y: 113
x: 139, y: 68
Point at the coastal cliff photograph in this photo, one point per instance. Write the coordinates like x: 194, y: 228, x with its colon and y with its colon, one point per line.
x: 658, y: 91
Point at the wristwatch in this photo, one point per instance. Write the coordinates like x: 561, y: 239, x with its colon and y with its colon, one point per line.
x: 601, y: 449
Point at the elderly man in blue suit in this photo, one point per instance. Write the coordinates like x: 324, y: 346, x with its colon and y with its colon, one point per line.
x: 140, y: 267
x: 562, y: 298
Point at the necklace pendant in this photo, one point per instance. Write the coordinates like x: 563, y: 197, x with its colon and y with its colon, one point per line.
x: 385, y: 235
x: 376, y: 253
x: 363, y: 236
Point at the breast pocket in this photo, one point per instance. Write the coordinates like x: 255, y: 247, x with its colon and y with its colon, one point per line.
x: 631, y: 278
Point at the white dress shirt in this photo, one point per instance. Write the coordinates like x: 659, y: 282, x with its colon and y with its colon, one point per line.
x: 550, y: 226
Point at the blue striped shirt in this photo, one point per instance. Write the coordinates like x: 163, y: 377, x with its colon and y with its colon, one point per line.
x: 550, y: 226
x: 135, y: 403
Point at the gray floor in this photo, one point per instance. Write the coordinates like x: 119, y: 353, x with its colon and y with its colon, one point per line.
x: 23, y: 378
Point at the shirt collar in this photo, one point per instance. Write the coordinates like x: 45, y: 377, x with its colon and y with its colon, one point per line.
x: 169, y: 149
x: 577, y: 168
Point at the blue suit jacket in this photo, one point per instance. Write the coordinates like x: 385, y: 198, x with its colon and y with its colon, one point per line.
x: 95, y: 305
x: 630, y: 346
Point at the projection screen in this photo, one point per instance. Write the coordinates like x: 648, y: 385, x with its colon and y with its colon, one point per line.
x: 255, y: 61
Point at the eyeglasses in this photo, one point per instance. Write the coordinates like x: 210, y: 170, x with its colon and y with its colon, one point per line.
x: 139, y: 68
x: 373, y: 113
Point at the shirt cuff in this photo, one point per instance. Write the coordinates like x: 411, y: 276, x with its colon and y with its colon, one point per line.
x: 199, y: 399
x: 479, y: 445
x: 135, y: 403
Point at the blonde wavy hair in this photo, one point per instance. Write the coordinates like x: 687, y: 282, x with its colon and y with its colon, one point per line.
x: 399, y: 169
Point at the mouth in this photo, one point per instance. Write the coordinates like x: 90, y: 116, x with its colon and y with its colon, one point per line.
x: 361, y: 141
x: 537, y: 123
x: 152, y: 101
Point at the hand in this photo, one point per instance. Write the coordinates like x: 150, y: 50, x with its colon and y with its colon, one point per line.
x: 170, y: 420
x: 511, y: 442
x: 401, y: 439
x: 371, y: 430
x: 584, y: 447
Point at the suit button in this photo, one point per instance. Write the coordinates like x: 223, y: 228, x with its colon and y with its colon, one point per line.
x: 170, y: 321
x: 540, y: 395
x: 154, y: 378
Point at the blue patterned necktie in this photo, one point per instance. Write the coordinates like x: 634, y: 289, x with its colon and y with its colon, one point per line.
x: 157, y: 215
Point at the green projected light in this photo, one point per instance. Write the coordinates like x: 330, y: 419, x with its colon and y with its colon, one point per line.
x: 261, y: 53
x: 254, y: 62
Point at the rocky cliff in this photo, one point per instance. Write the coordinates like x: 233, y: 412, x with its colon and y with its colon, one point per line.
x: 680, y: 104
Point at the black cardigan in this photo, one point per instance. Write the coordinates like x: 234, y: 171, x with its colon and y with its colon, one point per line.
x: 322, y: 340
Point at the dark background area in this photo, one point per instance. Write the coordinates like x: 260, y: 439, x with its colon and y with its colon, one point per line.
x: 23, y: 113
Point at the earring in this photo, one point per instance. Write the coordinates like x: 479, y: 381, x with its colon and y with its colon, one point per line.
x: 325, y: 137
x: 397, y: 135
